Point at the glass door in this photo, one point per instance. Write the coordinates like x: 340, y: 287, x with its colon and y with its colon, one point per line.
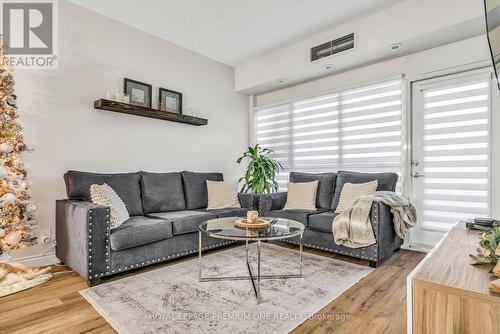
x: 450, y: 164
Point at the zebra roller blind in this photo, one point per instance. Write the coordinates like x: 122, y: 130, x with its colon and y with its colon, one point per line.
x: 358, y: 129
x: 455, y: 150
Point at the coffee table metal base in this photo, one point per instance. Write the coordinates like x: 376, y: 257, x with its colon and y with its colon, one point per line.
x: 255, y: 279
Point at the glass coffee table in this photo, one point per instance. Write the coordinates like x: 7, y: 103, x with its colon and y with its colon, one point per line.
x: 223, y: 228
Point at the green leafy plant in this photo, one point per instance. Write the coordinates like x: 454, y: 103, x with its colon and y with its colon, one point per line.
x: 486, y: 253
x: 261, y: 171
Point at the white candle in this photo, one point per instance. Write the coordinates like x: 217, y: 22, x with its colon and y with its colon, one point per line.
x: 252, y: 216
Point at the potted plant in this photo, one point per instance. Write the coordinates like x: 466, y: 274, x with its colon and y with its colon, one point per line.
x: 261, y: 171
x: 489, y: 246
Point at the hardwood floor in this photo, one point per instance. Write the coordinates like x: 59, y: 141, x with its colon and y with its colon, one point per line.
x: 377, y: 304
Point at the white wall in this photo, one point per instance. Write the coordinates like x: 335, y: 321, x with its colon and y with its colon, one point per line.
x: 417, y: 24
x: 68, y: 133
x: 449, y: 57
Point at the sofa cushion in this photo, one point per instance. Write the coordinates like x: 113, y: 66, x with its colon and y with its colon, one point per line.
x: 230, y: 212
x: 195, y: 188
x: 301, y: 196
x: 126, y: 185
x: 104, y: 195
x: 139, y: 230
x: 185, y: 221
x: 297, y: 215
x: 222, y: 195
x: 351, y: 192
x: 322, y: 222
x: 326, y: 186
x: 386, y: 182
x: 162, y: 192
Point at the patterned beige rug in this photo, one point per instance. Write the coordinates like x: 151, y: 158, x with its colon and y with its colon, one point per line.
x: 172, y: 300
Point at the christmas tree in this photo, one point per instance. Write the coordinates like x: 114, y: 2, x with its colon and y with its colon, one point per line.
x: 17, y: 221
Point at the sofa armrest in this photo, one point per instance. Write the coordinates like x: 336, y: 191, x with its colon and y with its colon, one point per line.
x: 383, y: 226
x: 247, y: 200
x: 272, y: 201
x: 82, y: 234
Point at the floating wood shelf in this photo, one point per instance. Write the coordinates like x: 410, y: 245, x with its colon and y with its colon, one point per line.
x: 126, y: 108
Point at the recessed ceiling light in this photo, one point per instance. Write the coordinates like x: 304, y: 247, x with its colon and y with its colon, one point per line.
x: 396, y: 46
x: 328, y: 67
x: 280, y: 81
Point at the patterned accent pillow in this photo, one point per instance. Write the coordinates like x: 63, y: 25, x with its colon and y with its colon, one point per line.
x: 352, y: 191
x: 105, y: 195
x: 222, y: 195
x: 301, y: 196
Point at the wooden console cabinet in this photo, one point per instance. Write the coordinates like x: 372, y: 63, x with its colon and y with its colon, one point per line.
x: 446, y: 294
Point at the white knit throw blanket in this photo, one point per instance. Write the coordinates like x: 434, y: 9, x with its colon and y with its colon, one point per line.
x: 352, y: 228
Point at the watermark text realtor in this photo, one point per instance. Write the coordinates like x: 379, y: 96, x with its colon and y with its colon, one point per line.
x: 29, y: 33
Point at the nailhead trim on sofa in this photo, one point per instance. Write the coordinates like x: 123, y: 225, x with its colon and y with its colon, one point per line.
x: 106, y: 240
x: 363, y: 252
x: 147, y: 262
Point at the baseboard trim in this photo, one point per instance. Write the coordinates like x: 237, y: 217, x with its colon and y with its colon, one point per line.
x: 418, y: 247
x: 38, y: 260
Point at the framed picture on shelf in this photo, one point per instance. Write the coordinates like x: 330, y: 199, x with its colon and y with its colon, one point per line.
x: 170, y: 100
x: 139, y: 93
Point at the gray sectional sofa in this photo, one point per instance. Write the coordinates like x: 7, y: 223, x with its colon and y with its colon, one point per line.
x: 167, y: 208
x: 318, y: 232
x: 165, y: 212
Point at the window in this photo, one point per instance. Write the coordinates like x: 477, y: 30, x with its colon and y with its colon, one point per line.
x: 358, y: 130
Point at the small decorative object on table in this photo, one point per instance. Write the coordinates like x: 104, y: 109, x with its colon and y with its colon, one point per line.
x: 252, y: 216
x: 139, y: 93
x: 490, y: 238
x: 171, y: 100
x: 483, y: 222
x: 255, y: 225
x: 489, y: 252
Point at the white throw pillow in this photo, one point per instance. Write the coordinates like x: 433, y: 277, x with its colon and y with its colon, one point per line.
x: 222, y: 195
x: 301, y: 196
x: 105, y: 195
x: 352, y: 191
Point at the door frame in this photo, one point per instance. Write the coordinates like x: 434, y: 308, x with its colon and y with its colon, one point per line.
x: 467, y: 70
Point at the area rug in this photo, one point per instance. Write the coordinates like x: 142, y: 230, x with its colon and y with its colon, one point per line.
x: 172, y: 300
x: 15, y: 277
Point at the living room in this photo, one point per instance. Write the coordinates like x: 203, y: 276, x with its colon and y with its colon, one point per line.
x: 250, y: 166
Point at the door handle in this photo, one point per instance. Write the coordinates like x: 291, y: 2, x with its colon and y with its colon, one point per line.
x: 417, y: 175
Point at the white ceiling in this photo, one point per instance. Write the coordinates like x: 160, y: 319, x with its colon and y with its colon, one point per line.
x: 233, y: 31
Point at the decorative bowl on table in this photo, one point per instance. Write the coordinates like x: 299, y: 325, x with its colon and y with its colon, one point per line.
x: 258, y: 224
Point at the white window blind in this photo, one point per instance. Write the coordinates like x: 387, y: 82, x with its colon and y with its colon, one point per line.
x: 357, y: 130
x: 456, y: 157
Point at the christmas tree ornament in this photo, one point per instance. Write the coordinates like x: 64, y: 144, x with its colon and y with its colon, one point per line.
x: 8, y: 198
x: 5, y: 148
x: 22, y: 186
x: 31, y: 207
x: 13, y: 238
x: 11, y: 112
x: 14, y: 183
x: 3, y: 172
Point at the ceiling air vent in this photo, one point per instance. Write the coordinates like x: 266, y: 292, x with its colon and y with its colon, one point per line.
x: 333, y: 47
